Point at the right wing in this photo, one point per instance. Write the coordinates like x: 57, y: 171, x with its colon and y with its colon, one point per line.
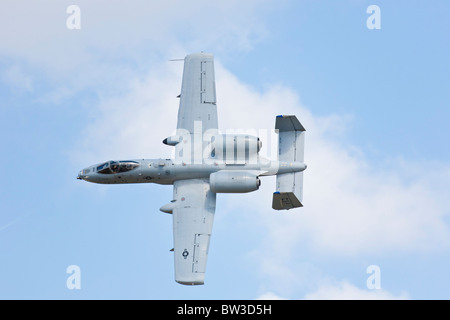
x: 193, y: 217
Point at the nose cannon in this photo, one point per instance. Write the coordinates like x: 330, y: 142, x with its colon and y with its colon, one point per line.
x: 82, y: 175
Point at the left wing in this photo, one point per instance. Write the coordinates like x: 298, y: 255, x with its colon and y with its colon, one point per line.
x: 198, y: 94
x: 193, y: 217
x: 197, y: 113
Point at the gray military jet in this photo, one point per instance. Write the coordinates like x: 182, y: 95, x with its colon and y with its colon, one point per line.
x: 206, y: 163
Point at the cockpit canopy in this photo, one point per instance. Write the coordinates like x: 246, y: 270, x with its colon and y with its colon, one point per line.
x: 112, y: 167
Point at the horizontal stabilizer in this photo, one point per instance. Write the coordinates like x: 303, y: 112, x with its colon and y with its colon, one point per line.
x: 291, y: 145
x: 285, y: 201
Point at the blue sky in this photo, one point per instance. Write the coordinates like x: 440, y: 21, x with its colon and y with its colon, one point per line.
x: 375, y: 104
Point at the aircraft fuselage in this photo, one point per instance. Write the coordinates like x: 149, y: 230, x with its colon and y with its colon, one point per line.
x: 166, y: 171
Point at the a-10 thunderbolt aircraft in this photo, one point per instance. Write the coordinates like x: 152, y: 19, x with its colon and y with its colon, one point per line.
x: 207, y: 163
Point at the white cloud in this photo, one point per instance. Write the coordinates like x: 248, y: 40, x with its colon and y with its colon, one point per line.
x: 113, y: 32
x: 134, y: 125
x: 344, y: 290
x: 351, y: 204
x: 17, y: 78
x: 340, y: 290
x: 269, y: 296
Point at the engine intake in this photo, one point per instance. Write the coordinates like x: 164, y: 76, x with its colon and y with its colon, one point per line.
x: 172, y: 140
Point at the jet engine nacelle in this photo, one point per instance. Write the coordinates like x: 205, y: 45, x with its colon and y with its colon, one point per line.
x: 240, y: 146
x: 234, y: 182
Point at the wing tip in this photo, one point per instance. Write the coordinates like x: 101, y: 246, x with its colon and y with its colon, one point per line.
x: 197, y: 279
x: 199, y: 55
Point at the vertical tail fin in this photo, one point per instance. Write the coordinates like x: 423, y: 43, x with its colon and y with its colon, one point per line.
x: 291, y: 135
